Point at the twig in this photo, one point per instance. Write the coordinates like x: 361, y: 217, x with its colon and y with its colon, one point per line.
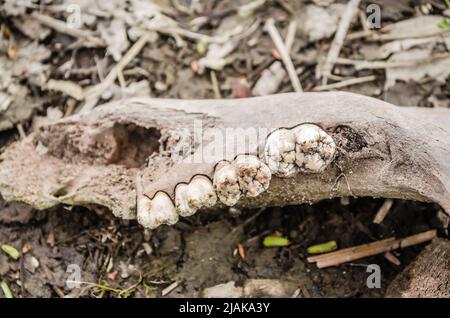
x: 383, y: 211
x: 166, y: 291
x: 348, y: 251
x: 21, y: 131
x: 93, y: 93
x: 365, y: 250
x: 290, y: 35
x: 276, y: 38
x: 359, y: 64
x: 215, y: 85
x: 345, y: 83
x: 393, y: 37
x: 338, y: 41
x: 361, y: 34
x: 63, y: 27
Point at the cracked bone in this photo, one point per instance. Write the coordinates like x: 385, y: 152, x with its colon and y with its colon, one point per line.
x: 314, y: 148
x: 279, y: 153
x: 157, y: 211
x: 253, y: 175
x: 199, y: 193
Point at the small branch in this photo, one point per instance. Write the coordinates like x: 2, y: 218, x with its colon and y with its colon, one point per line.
x: 383, y: 211
x: 338, y: 41
x: 278, y: 41
x: 166, y: 291
x: 359, y: 64
x: 365, y: 250
x: 21, y: 131
x: 93, y: 93
x: 290, y: 35
x: 63, y: 27
x: 215, y: 85
x: 345, y: 83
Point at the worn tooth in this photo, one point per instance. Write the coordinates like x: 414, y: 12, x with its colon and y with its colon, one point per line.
x: 279, y: 153
x: 182, y: 201
x: 226, y: 184
x: 143, y: 210
x: 159, y: 210
x: 314, y: 150
x: 189, y: 198
x: 253, y: 175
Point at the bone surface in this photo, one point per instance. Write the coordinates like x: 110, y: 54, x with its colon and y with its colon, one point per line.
x: 381, y: 151
x: 199, y: 193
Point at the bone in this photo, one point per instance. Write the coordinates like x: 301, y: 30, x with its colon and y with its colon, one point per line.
x: 388, y: 135
x: 253, y: 175
x: 153, y: 213
x: 314, y: 149
x: 199, y: 193
x: 226, y: 183
x: 279, y: 153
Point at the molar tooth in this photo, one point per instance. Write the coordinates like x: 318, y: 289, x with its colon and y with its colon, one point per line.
x: 279, y: 153
x: 253, y: 175
x: 189, y: 198
x: 226, y: 184
x: 315, y: 148
x: 159, y: 210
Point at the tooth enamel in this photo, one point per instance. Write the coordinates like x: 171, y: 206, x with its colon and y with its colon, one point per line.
x: 226, y: 184
x: 195, y: 195
x: 181, y: 200
x: 315, y: 149
x: 143, y: 210
x: 253, y: 175
x: 279, y: 153
x: 160, y: 210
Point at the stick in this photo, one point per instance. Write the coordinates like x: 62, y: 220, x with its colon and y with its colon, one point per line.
x: 171, y: 287
x: 290, y: 35
x: 368, y: 65
x: 93, y: 93
x: 383, y: 211
x: 62, y: 27
x: 349, y: 82
x: 347, y: 251
x: 361, y: 251
x: 215, y: 85
x: 338, y: 41
x: 276, y: 38
x: 21, y: 131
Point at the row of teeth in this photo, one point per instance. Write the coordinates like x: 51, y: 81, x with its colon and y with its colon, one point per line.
x: 304, y: 148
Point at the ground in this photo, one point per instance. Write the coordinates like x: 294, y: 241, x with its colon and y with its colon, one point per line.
x: 119, y: 258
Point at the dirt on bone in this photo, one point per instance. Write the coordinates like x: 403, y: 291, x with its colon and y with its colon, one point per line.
x: 349, y: 139
x: 124, y: 144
